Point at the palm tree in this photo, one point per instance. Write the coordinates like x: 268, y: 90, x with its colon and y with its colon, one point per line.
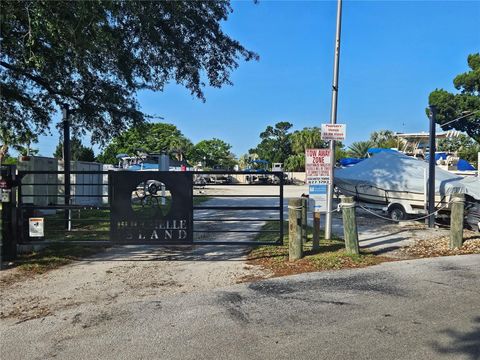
x: 384, y: 139
x: 243, y: 161
x: 308, y: 138
x: 359, y: 149
x: 179, y: 146
x: 8, y: 139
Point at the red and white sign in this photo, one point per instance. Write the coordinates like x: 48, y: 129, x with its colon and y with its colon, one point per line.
x: 333, y: 132
x: 317, y: 166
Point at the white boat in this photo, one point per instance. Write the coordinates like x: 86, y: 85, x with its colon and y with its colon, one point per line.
x: 397, y: 184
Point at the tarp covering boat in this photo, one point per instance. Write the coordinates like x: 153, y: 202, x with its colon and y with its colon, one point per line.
x: 349, y: 161
x: 397, y: 172
x: 462, y: 165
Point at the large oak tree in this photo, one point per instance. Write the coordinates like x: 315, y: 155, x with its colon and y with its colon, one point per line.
x: 275, y: 145
x: 467, y: 101
x: 93, y: 56
x: 213, y: 153
x: 147, y: 138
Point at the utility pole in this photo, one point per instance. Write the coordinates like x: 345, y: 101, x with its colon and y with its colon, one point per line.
x: 333, y: 120
x: 431, y: 168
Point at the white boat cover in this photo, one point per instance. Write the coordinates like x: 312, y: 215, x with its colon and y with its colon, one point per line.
x: 395, y: 171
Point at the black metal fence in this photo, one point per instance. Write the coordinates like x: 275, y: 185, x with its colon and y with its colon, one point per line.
x: 227, y: 208
x: 82, y: 214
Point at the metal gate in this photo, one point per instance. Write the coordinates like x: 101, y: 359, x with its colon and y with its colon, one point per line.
x: 151, y: 207
x: 73, y: 212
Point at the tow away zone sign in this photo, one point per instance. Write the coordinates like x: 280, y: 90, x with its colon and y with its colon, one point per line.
x: 333, y: 132
x: 317, y: 166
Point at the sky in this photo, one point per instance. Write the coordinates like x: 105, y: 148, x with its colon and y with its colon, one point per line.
x: 393, y: 54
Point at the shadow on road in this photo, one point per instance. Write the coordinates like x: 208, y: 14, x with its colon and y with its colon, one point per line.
x: 172, y: 253
x: 390, y: 233
x: 383, y: 242
x: 462, y: 343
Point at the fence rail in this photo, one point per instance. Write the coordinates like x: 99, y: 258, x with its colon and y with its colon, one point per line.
x: 224, y: 211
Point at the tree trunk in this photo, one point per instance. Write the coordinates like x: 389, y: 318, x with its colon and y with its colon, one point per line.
x: 3, y: 152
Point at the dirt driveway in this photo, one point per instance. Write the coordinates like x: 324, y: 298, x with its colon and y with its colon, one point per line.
x: 130, y: 273
x: 124, y: 275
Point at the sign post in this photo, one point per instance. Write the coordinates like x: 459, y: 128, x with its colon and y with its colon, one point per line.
x: 333, y: 116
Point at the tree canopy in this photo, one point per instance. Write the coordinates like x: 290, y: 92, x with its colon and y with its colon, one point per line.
x: 464, y: 146
x: 93, y: 56
x: 78, y: 152
x: 148, y: 138
x: 214, y: 153
x: 467, y: 101
x: 275, y: 144
x: 383, y: 139
x: 280, y: 145
x: 307, y: 138
x: 359, y: 149
x: 9, y: 138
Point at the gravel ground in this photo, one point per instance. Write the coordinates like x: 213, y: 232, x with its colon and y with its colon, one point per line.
x: 405, y: 310
x: 125, y: 274
x: 122, y: 274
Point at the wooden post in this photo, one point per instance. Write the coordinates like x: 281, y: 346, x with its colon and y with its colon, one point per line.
x: 304, y: 219
x: 456, y: 221
x: 316, y: 231
x: 295, y: 246
x: 349, y: 225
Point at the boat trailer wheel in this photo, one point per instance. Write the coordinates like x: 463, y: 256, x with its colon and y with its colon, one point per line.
x: 397, y: 212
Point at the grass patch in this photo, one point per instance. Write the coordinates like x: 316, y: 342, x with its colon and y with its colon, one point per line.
x: 331, y: 256
x: 88, y: 224
x: 53, y: 257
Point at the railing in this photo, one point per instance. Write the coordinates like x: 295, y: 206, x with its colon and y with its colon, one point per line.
x: 80, y: 216
x: 229, y: 208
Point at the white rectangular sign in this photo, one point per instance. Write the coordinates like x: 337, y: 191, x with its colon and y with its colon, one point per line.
x: 317, y: 166
x: 333, y: 132
x: 35, y: 227
x: 5, y: 195
x: 319, y: 195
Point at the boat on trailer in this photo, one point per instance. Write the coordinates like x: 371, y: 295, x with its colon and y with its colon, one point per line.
x: 396, y: 183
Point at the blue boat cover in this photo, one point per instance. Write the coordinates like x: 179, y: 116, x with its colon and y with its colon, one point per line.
x: 379, y: 150
x: 143, y: 166
x: 349, y: 161
x: 463, y: 165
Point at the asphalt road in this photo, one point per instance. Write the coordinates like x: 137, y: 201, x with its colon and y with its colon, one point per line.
x: 421, y: 309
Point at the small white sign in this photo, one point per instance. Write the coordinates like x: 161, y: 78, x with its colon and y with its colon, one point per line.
x: 35, y: 227
x: 335, y: 132
x: 317, y: 166
x: 5, y: 195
